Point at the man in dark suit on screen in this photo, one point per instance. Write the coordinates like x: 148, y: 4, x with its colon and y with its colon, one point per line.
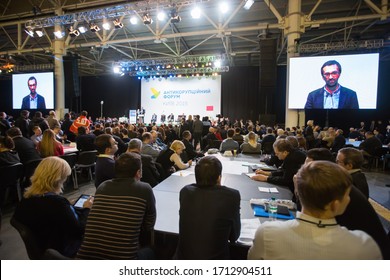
x: 33, y: 100
x: 332, y: 95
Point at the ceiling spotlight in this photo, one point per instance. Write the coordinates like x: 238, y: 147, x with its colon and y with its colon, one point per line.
x: 59, y: 34
x: 248, y: 4
x: 82, y: 29
x: 117, y: 24
x: 217, y: 63
x: 223, y: 7
x: 29, y: 32
x: 195, y: 12
x: 93, y: 27
x: 106, y: 25
x: 117, y: 70
x: 161, y: 16
x: 175, y: 18
x: 73, y: 32
x: 39, y: 32
x: 147, y: 19
x: 133, y: 20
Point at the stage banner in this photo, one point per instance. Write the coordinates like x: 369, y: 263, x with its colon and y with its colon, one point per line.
x: 181, y: 96
x: 132, y: 116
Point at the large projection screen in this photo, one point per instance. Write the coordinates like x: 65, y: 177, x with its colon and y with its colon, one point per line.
x: 188, y: 96
x: 359, y: 73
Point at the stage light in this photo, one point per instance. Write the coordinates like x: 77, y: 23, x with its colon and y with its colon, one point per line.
x: 116, y: 70
x: 175, y: 18
x: 59, y: 34
x: 195, y: 12
x: 29, y: 31
x: 147, y: 19
x: 133, y: 20
x: 106, y: 25
x: 94, y: 28
x: 117, y: 24
x: 248, y: 4
x: 161, y: 16
x: 73, y: 32
x: 217, y: 63
x: 223, y: 7
x: 39, y: 32
x: 82, y: 29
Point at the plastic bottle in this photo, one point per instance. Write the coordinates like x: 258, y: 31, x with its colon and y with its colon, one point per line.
x: 272, y: 209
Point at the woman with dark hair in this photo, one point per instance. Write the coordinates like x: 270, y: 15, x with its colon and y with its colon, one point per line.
x: 7, y: 156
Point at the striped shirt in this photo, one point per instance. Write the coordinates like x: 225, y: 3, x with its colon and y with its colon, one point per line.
x: 122, y: 209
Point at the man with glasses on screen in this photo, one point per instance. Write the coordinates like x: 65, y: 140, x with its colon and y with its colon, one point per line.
x: 332, y: 95
x: 33, y: 100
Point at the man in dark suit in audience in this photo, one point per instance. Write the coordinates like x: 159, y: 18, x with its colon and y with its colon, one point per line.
x: 150, y: 173
x: 339, y: 141
x: 209, y: 214
x: 370, y: 145
x: 292, y: 161
x: 105, y: 162
x: 85, y: 141
x: 190, y: 152
x: 25, y: 147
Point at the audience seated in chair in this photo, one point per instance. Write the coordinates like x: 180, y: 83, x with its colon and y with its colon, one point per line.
x: 323, y: 189
x: 209, y: 214
x: 229, y: 144
x: 25, y: 147
x: 150, y: 173
x: 251, y: 146
x: 51, y: 217
x: 105, y: 162
x: 114, y: 232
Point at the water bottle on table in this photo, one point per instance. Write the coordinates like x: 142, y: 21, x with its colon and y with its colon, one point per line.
x: 272, y: 209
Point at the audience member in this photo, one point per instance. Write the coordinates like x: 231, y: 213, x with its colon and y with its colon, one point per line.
x: 170, y: 159
x: 209, y: 214
x: 65, y: 127
x: 115, y: 232
x: 105, y: 162
x: 81, y: 121
x: 339, y: 141
x: 190, y: 152
x: 147, y: 147
x: 25, y: 147
x: 198, y: 130
x: 7, y: 156
x: 49, y: 146
x: 292, y: 161
x: 37, y: 136
x: 150, y: 173
x: 85, y: 141
x: 22, y: 122
x: 54, y: 221
x: 370, y: 145
x: 323, y: 189
x: 37, y: 120
x: 52, y: 120
x: 359, y: 215
x: 352, y: 160
x: 229, y: 144
x: 251, y: 146
x: 4, y: 124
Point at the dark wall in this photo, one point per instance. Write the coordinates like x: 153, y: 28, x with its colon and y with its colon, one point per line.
x: 120, y: 94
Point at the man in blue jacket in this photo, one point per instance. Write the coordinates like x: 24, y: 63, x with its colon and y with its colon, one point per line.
x: 332, y: 95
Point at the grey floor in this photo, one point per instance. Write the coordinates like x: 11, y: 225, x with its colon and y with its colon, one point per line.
x: 12, y: 247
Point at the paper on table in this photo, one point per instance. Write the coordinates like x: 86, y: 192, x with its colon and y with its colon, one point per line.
x: 250, y: 174
x: 234, y: 167
x: 268, y: 190
x: 248, y: 230
x: 182, y: 173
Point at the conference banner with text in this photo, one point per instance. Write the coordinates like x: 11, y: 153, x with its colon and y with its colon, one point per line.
x: 181, y: 96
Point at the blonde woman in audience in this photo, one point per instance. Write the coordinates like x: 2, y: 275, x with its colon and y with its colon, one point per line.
x: 251, y: 147
x: 49, y: 146
x: 50, y: 216
x: 170, y: 158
